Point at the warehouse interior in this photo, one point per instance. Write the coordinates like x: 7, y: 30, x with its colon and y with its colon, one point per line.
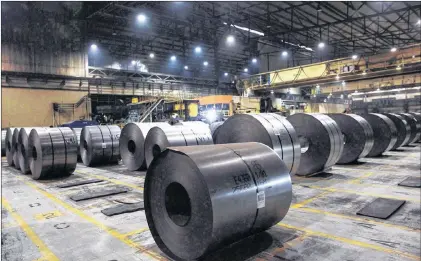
x: 202, y: 130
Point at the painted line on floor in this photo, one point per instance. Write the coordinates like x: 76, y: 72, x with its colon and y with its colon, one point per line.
x: 112, y: 180
x: 361, y: 178
x: 351, y: 241
x: 46, y: 253
x: 92, y: 220
x: 137, y: 231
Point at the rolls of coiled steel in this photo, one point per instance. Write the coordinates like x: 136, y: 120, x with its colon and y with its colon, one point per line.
x: 161, y: 137
x: 385, y: 133
x: 321, y: 141
x: 187, y: 189
x: 52, y: 152
x: 402, y: 127
x: 99, y: 145
x: 132, y: 144
x: 77, y: 132
x: 214, y: 127
x: 267, y: 128
x: 418, y: 117
x: 415, y: 127
x: 23, y: 152
x: 3, y: 143
x: 357, y: 135
x: 15, y: 149
x: 9, y: 146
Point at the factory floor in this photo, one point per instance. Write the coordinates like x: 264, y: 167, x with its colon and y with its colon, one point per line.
x: 40, y: 222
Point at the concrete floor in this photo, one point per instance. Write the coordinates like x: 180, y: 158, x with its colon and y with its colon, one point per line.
x: 40, y: 222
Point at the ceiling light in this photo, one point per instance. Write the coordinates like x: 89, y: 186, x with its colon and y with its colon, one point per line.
x: 271, y: 91
x: 317, y: 86
x: 378, y: 89
x: 354, y: 57
x: 343, y: 83
x: 284, y: 53
x: 198, y: 49
x: 230, y: 39
x: 94, y: 47
x: 419, y: 22
x: 413, y: 56
x: 364, y: 73
x: 356, y: 91
x: 325, y: 100
x: 342, y: 96
x: 141, y: 18
x: 186, y: 67
x: 398, y: 68
x: 254, y: 60
x: 321, y: 45
x: 394, y: 49
x: 133, y: 62
x: 151, y: 55
x: 173, y: 58
x: 246, y: 70
x: 337, y: 77
x: 226, y: 74
x: 205, y: 63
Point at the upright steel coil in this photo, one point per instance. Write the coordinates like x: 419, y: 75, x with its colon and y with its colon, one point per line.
x: 214, y: 127
x: 3, y: 143
x: 270, y: 129
x: 23, y: 152
x: 200, y: 198
x: 403, y: 128
x: 417, y: 115
x: 15, y: 149
x: 9, y: 146
x: 321, y: 141
x: 100, y: 144
x: 132, y: 144
x: 161, y: 137
x: 415, y: 127
x: 385, y: 133
x: 52, y: 152
x: 357, y: 135
x: 77, y: 132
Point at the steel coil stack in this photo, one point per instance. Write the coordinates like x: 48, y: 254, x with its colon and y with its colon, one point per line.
x: 415, y: 127
x: 357, y: 135
x: 15, y: 149
x: 402, y: 127
x: 225, y: 192
x: 321, y: 141
x: 77, y: 132
x: 3, y: 143
x: 132, y: 144
x: 100, y: 145
x: 270, y: 129
x: 52, y: 152
x: 385, y: 133
x: 23, y: 152
x: 9, y: 146
x: 161, y: 137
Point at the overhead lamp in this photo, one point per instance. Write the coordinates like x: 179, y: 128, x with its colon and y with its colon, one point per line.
x: 343, y: 83
x: 133, y: 62
x: 246, y: 70
x: 378, y: 89
x: 173, y: 58
x: 94, y: 47
x: 342, y: 96
x: 337, y: 77
x: 330, y: 94
x: 325, y: 100
x: 321, y: 45
x: 394, y: 49
x: 419, y: 22
x: 205, y: 63
x: 284, y: 53
x: 271, y: 91
x: 151, y: 55
x: 186, y: 67
x: 317, y: 86
x: 230, y: 39
x: 398, y: 68
x: 413, y: 56
x: 356, y: 91
x: 254, y: 60
x: 354, y: 57
x: 364, y: 73
x: 226, y: 74
x: 141, y: 18
x: 198, y: 49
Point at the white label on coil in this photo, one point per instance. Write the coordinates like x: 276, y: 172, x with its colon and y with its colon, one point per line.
x: 104, y: 145
x: 261, y: 199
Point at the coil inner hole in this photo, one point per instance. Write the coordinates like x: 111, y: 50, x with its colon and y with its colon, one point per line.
x: 177, y: 204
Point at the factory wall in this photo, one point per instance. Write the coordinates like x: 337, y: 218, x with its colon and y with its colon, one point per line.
x: 32, y: 108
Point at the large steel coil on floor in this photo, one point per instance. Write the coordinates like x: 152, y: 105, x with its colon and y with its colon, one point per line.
x: 161, y: 137
x: 100, y: 144
x: 77, y: 132
x: 132, y: 144
x: 23, y: 152
x: 385, y: 133
x: 214, y: 127
x: 418, y: 117
x: 415, y: 127
x: 357, y: 134
x: 267, y: 128
x: 9, y: 146
x: 52, y: 152
x: 3, y: 143
x: 200, y: 198
x: 15, y: 149
x: 321, y: 141
x: 403, y: 128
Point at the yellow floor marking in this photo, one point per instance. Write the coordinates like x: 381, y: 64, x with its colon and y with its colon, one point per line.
x: 359, y: 179
x: 366, y: 220
x: 111, y: 180
x: 45, y: 252
x: 138, y: 231
x: 351, y: 242
x: 92, y: 220
x: 48, y: 215
x: 308, y: 201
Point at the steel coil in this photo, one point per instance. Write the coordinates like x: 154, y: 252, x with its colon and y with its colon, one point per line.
x: 23, y: 152
x: 77, y: 132
x: 214, y: 127
x: 268, y: 128
x: 415, y: 127
x: 418, y: 117
x: 357, y: 135
x: 9, y: 146
x: 99, y: 145
x: 385, y: 133
x: 3, y: 142
x: 200, y: 198
x: 15, y: 149
x: 402, y: 127
x: 132, y: 144
x: 321, y: 141
x: 52, y: 152
x: 162, y: 137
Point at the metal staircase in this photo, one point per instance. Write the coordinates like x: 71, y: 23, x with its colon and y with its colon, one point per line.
x: 157, y: 106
